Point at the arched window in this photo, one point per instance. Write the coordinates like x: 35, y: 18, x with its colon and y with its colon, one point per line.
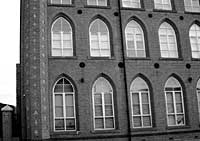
x: 174, y: 102
x: 131, y: 3
x: 97, y: 2
x: 163, y: 4
x: 140, y: 104
x: 135, y: 45
x: 64, y: 106
x: 99, y: 39
x: 61, y: 1
x: 192, y: 5
x: 198, y: 96
x: 195, y: 40
x: 103, y: 105
x: 61, y: 38
x: 168, y: 43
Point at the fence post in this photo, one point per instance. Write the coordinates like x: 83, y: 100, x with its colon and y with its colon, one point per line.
x: 7, y: 123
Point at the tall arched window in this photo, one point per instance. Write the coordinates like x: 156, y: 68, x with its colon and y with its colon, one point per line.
x: 97, y: 2
x: 99, y: 39
x: 198, y: 96
x: 168, y: 43
x: 174, y: 102
x: 103, y: 105
x: 195, y: 40
x: 135, y: 45
x: 140, y: 104
x: 61, y: 1
x: 131, y: 3
x: 163, y: 4
x: 64, y: 106
x: 61, y: 38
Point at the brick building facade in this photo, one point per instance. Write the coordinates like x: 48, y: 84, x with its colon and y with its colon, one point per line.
x: 109, y: 70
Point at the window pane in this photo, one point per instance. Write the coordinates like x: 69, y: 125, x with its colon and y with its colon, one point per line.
x: 70, y: 124
x: 180, y: 119
x: 66, y: 1
x: 97, y: 99
x: 99, y: 123
x: 136, y: 109
x: 169, y: 97
x: 58, y: 88
x: 145, y: 98
x: 147, y: 121
x: 98, y: 111
x: 109, y: 123
x: 137, y: 122
x: 68, y: 52
x: 145, y: 108
x: 69, y: 101
x: 68, y: 88
x: 170, y: 108
x: 135, y: 98
x: 178, y: 97
x: 179, y: 108
x: 171, y: 120
x: 108, y: 110
x: 59, y: 124
x: 108, y: 98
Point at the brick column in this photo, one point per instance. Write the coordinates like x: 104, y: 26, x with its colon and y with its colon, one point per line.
x: 7, y: 123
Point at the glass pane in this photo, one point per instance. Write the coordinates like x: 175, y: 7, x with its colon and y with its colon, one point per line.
x: 145, y: 108
x: 180, y: 119
x: 59, y: 124
x: 137, y: 122
x: 171, y: 120
x: 67, y: 52
x: 66, y: 1
x: 178, y: 97
x: 102, y: 2
x: 58, y: 100
x: 136, y: 109
x: 97, y: 99
x: 98, y: 111
x: 68, y: 88
x: 169, y: 97
x: 70, y: 124
x: 70, y: 111
x: 59, y: 111
x: 102, y: 85
x: 179, y: 108
x: 139, y: 85
x: 131, y: 53
x: 170, y: 108
x: 69, y: 100
x: 99, y: 123
x: 109, y: 123
x: 146, y: 121
x: 108, y: 110
x: 135, y: 98
x: 108, y: 98
x: 145, y: 98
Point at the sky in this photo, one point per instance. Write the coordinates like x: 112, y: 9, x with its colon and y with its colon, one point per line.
x: 9, y: 54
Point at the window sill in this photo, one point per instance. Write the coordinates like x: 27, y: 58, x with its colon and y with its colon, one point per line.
x: 63, y: 57
x: 171, y: 59
x: 143, y: 129
x: 195, y: 59
x: 105, y: 131
x: 60, y: 5
x: 96, y: 6
x: 177, y: 127
x: 56, y: 134
x: 137, y: 58
x: 190, y: 12
x: 164, y: 10
x: 132, y: 8
x: 100, y: 58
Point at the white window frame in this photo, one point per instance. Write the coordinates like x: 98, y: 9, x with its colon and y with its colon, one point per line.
x: 163, y: 5
x: 174, y: 106
x: 103, y: 107
x: 61, y: 1
x: 169, y: 27
x: 197, y: 37
x: 64, y: 106
x: 132, y: 2
x: 99, y: 40
x: 135, y: 39
x: 97, y: 3
x: 62, y: 39
x: 192, y: 7
x: 140, y: 104
x: 198, y: 96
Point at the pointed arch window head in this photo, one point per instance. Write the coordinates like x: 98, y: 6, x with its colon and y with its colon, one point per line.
x: 168, y: 42
x: 134, y: 35
x: 131, y: 3
x: 64, y: 106
x: 174, y: 103
x: 61, y: 38
x: 61, y: 2
x: 103, y: 105
x: 198, y: 96
x: 195, y: 40
x: 140, y: 104
x: 192, y: 5
x: 99, y: 39
x: 97, y: 2
x: 163, y: 4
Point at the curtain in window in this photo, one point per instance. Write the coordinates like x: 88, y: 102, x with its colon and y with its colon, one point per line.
x: 64, y: 106
x: 135, y: 45
x: 174, y: 103
x: 61, y: 35
x: 103, y: 106
x: 168, y: 43
x: 140, y: 104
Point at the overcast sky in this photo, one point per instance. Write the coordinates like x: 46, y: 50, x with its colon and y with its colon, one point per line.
x: 9, y: 54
